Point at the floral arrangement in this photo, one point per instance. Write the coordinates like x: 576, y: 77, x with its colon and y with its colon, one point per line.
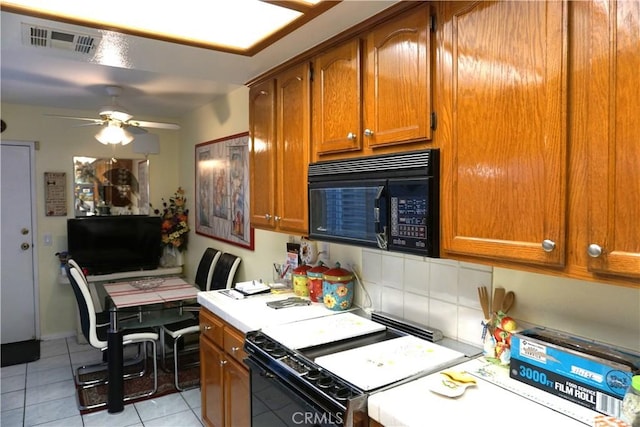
x: 175, y: 221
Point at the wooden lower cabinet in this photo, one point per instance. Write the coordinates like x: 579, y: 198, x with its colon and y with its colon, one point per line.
x: 224, y: 378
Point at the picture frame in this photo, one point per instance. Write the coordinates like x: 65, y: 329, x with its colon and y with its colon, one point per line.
x: 222, y: 192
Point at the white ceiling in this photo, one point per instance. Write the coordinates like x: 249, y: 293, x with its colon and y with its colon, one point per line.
x: 159, y: 79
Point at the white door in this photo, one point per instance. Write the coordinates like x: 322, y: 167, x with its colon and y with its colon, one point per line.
x: 17, y: 282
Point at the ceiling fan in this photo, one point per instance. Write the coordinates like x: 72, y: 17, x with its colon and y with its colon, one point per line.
x: 118, y: 126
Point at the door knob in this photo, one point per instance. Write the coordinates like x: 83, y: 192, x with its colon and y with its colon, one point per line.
x: 594, y: 250
x: 24, y: 246
x: 351, y: 136
x: 24, y: 231
x: 267, y: 217
x: 368, y: 132
x: 548, y: 245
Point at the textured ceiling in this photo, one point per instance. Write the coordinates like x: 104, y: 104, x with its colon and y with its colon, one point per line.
x: 159, y: 79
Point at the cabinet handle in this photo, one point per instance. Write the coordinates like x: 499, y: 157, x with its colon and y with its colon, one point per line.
x: 368, y: 132
x: 207, y: 327
x: 594, y: 250
x: 267, y: 217
x: 351, y: 136
x: 234, y: 349
x: 277, y: 218
x: 548, y: 245
x: 223, y: 362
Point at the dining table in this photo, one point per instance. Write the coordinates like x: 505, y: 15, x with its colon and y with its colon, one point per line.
x: 149, y: 298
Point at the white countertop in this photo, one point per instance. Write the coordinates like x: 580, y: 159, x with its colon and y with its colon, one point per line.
x: 484, y: 405
x: 252, y: 313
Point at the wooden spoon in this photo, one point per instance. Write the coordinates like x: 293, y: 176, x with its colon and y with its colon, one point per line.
x: 498, y: 297
x: 483, y: 295
x: 507, y: 302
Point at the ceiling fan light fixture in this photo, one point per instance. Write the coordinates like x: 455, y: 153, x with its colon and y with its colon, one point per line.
x: 114, y: 134
x: 118, y: 114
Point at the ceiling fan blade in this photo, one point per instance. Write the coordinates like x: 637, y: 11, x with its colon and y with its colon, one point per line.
x: 156, y: 125
x: 95, y: 121
x: 136, y: 130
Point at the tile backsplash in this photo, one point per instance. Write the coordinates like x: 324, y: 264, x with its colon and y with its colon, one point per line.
x: 435, y: 292
x: 443, y: 294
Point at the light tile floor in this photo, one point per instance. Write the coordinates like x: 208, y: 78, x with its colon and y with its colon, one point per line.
x: 42, y: 393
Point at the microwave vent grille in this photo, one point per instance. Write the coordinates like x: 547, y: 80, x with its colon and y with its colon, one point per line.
x: 414, y: 160
x: 415, y: 329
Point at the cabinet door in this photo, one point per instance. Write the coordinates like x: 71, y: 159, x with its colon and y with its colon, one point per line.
x: 337, y: 100
x: 237, y: 395
x: 293, y: 149
x: 262, y: 135
x: 502, y: 72
x: 397, y: 85
x: 614, y: 147
x: 211, y: 380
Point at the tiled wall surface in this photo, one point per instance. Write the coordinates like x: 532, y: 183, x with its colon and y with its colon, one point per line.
x: 443, y: 294
x: 435, y: 292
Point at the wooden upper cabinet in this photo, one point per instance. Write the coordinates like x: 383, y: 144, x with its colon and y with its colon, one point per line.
x: 293, y: 130
x: 397, y: 84
x: 262, y: 136
x: 337, y: 100
x: 502, y: 93
x: 372, y: 94
x: 279, y: 117
x: 613, y: 242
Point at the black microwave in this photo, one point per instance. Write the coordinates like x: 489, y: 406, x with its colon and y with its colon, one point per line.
x: 389, y: 202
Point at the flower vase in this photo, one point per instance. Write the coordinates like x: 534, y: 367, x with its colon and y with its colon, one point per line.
x: 169, y: 257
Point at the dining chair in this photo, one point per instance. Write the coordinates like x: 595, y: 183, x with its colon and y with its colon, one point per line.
x: 96, y: 333
x: 224, y: 275
x: 102, y: 320
x: 179, y: 331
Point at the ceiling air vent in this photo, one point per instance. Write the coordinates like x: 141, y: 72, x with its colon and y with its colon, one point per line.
x: 47, y: 37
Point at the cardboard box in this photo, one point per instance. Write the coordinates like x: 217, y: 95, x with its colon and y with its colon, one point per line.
x: 591, y: 374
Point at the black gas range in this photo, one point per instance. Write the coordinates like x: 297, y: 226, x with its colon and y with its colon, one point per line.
x: 319, y: 372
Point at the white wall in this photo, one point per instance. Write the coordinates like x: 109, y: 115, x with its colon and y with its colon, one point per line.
x: 59, y: 141
x: 224, y: 116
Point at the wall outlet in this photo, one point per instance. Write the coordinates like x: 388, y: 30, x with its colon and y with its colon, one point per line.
x: 48, y: 239
x: 323, y: 251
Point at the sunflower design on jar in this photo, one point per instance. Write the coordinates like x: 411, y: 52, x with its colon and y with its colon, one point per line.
x: 329, y: 301
x: 337, y: 288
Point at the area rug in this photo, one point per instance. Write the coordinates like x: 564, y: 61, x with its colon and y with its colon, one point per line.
x: 189, y: 377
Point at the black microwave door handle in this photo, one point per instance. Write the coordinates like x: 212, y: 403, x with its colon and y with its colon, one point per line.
x: 381, y: 229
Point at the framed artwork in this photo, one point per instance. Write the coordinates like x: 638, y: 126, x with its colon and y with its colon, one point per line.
x: 222, y: 190
x: 55, y: 197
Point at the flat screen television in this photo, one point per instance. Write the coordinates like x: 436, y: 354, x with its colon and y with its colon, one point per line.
x: 111, y: 244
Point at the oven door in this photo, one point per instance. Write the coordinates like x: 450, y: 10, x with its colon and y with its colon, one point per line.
x: 276, y: 403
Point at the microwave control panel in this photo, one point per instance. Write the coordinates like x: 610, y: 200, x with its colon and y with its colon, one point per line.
x: 409, y: 214
x: 408, y: 221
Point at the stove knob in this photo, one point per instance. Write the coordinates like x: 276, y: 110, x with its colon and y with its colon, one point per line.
x: 325, y: 382
x: 313, y: 375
